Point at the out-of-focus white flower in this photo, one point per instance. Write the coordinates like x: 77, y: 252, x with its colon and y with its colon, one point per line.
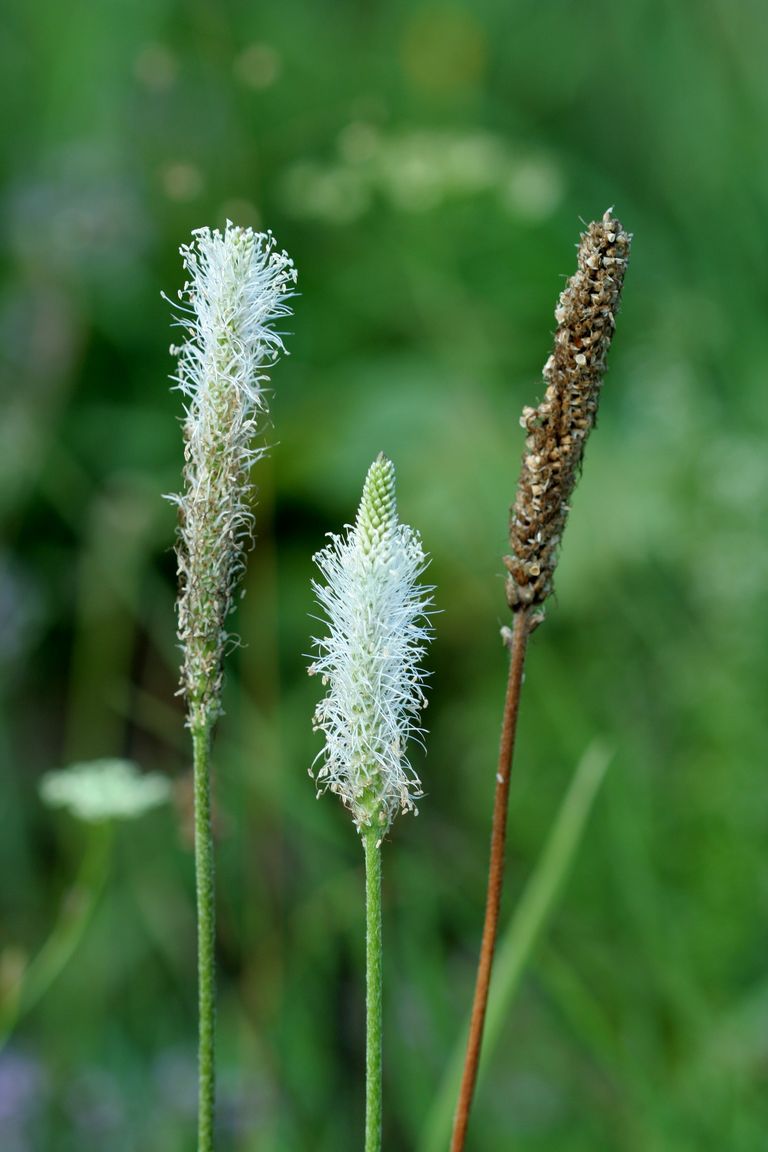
x: 104, y: 790
x: 239, y: 284
x: 377, y: 617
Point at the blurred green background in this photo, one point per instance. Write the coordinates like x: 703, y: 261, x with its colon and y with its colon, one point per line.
x: 427, y: 165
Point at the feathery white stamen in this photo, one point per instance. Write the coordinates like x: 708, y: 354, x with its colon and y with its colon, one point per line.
x: 238, y: 286
x: 378, y: 630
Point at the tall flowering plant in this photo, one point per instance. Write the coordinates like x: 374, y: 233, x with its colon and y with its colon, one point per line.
x: 370, y: 661
x: 238, y: 287
x: 556, y: 435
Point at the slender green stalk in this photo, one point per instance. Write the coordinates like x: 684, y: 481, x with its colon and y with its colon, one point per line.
x: 524, y: 930
x: 372, y: 849
x: 206, y: 937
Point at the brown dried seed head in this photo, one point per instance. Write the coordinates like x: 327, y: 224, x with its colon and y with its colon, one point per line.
x: 557, y: 429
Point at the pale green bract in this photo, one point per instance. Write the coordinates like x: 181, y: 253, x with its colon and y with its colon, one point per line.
x: 104, y: 790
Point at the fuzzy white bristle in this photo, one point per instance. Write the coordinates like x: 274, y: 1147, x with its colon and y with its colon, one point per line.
x: 378, y: 629
x: 238, y: 287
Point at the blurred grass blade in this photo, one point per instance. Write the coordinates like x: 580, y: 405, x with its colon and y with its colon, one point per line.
x: 516, y: 945
x: 75, y: 916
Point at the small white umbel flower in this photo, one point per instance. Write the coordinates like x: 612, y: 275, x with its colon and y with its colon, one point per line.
x: 238, y: 286
x: 377, y: 614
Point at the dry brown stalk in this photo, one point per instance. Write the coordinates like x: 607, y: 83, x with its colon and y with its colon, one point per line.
x: 557, y: 430
x: 517, y: 643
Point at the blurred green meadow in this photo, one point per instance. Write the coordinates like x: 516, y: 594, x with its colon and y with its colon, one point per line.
x: 427, y: 165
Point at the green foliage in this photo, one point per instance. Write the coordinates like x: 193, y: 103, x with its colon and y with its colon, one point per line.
x: 426, y: 166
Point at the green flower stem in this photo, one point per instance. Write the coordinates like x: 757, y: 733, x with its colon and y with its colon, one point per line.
x: 523, y: 932
x: 206, y: 936
x: 373, y: 989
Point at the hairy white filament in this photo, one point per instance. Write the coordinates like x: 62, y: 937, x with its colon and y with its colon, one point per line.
x: 238, y: 286
x: 378, y: 629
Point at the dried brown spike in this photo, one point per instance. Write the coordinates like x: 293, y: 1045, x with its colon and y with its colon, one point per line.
x: 558, y: 428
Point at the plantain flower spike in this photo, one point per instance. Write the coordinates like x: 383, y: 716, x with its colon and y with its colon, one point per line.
x: 557, y: 429
x: 237, y: 288
x: 378, y: 628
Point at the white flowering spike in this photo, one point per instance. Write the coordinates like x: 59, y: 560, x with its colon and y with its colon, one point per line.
x: 238, y: 286
x: 377, y: 615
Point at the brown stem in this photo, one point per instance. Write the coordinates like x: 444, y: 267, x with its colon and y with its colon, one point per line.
x: 517, y: 646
